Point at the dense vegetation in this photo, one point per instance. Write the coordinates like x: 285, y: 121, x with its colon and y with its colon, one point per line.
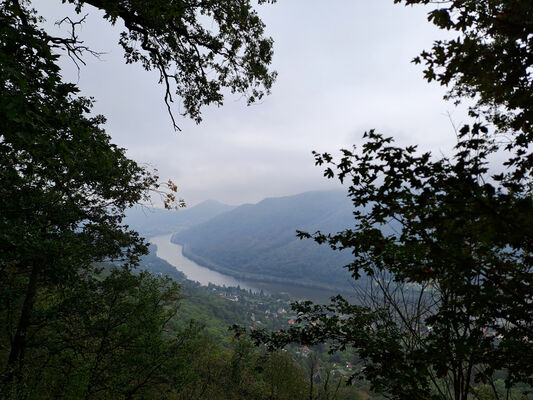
x: 63, y: 191
x: 216, y: 308
x: 448, y: 314
x: 72, y: 327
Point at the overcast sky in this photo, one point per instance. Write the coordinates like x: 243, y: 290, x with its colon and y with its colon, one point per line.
x: 344, y: 67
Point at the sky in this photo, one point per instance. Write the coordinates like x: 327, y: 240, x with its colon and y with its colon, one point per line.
x: 344, y: 67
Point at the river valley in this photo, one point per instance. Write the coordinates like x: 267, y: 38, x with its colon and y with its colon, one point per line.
x: 172, y: 253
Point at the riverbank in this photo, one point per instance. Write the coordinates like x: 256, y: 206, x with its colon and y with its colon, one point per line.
x: 250, y: 277
x: 175, y: 255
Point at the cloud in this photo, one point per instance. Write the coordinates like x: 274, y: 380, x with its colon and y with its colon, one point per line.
x: 344, y: 67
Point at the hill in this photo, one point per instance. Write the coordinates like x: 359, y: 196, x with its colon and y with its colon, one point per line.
x: 258, y: 241
x: 151, y: 221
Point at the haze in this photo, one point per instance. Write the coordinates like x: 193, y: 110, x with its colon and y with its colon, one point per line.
x: 344, y: 67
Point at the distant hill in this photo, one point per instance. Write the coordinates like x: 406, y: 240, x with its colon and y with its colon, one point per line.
x: 258, y: 241
x: 151, y: 221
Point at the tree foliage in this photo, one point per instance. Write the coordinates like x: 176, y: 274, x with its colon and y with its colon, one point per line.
x: 445, y: 242
x: 70, y: 328
x: 104, y: 338
x: 64, y: 186
x: 199, y: 48
x: 489, y: 61
x: 448, y: 256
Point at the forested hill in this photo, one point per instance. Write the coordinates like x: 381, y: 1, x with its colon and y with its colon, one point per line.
x: 259, y: 241
x: 154, y: 221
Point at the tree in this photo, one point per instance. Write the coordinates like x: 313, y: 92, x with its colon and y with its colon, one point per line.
x: 284, y: 379
x: 450, y: 256
x: 108, y: 338
x: 64, y: 187
x: 445, y: 243
x: 489, y: 61
x: 199, y: 48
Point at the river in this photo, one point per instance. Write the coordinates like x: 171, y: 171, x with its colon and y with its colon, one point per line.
x: 173, y: 254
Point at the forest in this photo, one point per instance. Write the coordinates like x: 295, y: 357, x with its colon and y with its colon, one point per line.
x: 87, y: 313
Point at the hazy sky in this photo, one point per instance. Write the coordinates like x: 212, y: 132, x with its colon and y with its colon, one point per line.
x: 344, y: 67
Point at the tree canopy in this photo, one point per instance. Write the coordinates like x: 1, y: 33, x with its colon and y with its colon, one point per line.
x: 199, y: 48
x: 448, y: 257
x: 444, y: 241
x: 490, y: 62
x: 64, y: 188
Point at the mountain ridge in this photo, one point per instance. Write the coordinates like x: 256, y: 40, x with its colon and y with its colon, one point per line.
x: 151, y: 221
x: 258, y: 241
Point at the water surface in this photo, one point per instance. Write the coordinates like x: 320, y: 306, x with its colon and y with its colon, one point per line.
x: 173, y: 254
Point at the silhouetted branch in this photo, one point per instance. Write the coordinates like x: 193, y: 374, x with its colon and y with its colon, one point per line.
x: 72, y: 44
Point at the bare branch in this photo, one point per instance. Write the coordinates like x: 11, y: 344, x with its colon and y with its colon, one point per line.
x: 72, y: 44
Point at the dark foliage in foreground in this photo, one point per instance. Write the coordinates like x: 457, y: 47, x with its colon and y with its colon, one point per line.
x: 446, y: 243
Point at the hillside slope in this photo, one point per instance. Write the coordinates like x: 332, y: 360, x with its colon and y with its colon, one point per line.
x: 258, y: 241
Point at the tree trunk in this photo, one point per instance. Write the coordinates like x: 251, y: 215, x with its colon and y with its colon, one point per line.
x: 15, y: 361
